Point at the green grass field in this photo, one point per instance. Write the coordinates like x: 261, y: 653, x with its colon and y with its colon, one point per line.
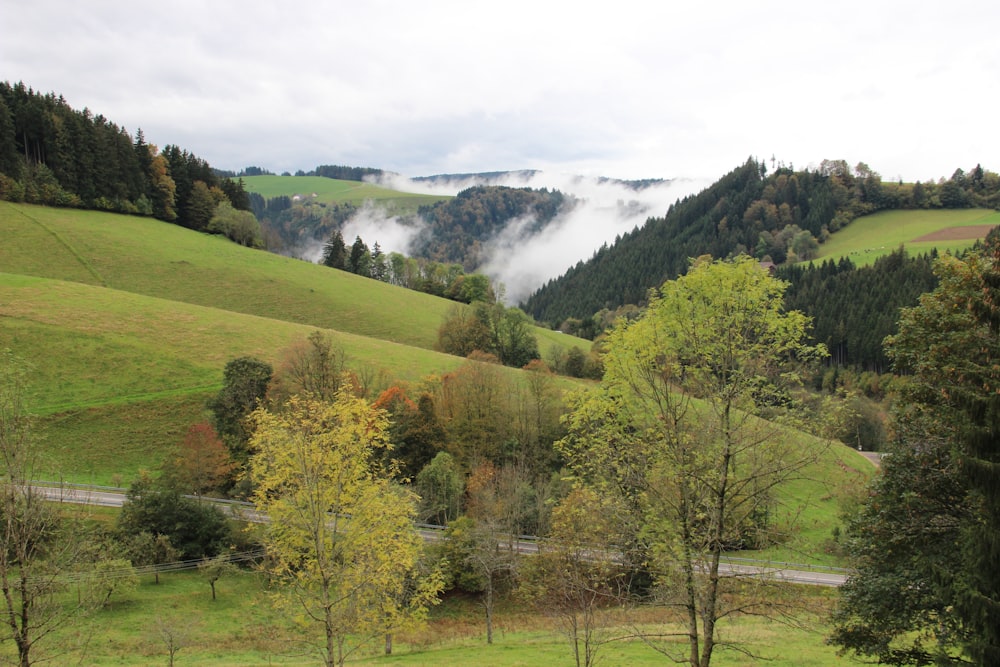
x: 241, y: 628
x: 873, y: 236
x: 329, y: 190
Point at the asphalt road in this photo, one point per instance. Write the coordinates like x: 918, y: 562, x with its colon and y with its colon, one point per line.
x: 245, y: 511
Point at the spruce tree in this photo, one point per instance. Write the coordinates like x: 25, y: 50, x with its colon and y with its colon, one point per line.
x: 335, y: 251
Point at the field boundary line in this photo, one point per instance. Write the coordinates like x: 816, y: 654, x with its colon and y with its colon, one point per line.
x: 69, y: 248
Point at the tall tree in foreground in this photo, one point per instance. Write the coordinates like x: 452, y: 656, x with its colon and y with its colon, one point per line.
x: 925, y: 546
x: 976, y: 392
x: 675, y: 434
x: 34, y: 552
x: 341, y: 535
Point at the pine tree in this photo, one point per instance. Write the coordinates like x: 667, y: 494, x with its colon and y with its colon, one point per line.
x: 360, y: 259
x: 335, y: 251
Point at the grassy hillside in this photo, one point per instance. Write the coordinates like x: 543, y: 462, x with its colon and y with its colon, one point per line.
x: 129, y: 322
x: 324, y: 190
x: 148, y: 257
x: 873, y: 236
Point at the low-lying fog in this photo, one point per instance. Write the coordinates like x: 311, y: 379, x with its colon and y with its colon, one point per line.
x: 523, y: 261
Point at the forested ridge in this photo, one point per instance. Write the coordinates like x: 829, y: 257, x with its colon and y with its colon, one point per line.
x: 453, y: 231
x: 781, y: 217
x: 54, y: 155
x: 457, y: 228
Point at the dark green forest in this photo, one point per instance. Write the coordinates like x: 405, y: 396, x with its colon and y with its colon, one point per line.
x: 54, y: 155
x: 782, y: 218
x: 456, y: 228
x: 854, y: 309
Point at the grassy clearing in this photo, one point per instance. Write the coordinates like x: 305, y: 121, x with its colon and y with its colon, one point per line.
x: 241, y: 628
x: 873, y: 236
x: 330, y: 190
x: 809, y: 506
x: 108, y: 445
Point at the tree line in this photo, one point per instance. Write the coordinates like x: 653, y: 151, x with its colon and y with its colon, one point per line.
x: 781, y: 217
x: 445, y: 280
x: 855, y: 308
x: 54, y: 155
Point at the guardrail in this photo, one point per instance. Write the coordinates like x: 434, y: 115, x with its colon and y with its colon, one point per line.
x: 531, y: 539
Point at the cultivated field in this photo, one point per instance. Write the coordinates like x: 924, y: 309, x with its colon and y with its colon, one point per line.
x: 919, y: 231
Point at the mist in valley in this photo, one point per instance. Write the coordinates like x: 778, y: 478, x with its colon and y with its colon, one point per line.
x: 520, y: 256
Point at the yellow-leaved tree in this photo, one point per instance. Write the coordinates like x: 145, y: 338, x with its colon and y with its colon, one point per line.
x: 341, y: 538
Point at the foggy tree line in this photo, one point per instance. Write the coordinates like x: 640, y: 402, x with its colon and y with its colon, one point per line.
x: 457, y: 228
x: 781, y: 217
x: 454, y: 231
x: 54, y: 155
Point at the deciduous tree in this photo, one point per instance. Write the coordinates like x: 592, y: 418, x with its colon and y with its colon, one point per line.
x: 215, y: 568
x: 341, y: 535
x: 245, y: 382
x: 576, y: 574
x: 440, y: 487
x: 195, y: 529
x: 674, y: 431
x: 202, y: 464
x: 36, y: 550
x: 313, y: 366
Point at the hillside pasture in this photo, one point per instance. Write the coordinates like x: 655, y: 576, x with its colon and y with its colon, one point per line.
x: 128, y: 323
x: 152, y: 258
x: 323, y: 190
x: 919, y: 231
x: 118, y: 377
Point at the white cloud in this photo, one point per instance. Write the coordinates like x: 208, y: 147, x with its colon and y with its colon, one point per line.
x: 633, y: 90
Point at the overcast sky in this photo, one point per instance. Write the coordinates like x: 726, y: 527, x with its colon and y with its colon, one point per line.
x: 649, y: 89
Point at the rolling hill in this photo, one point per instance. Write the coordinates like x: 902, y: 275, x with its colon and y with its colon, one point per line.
x: 128, y: 323
x: 780, y: 216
